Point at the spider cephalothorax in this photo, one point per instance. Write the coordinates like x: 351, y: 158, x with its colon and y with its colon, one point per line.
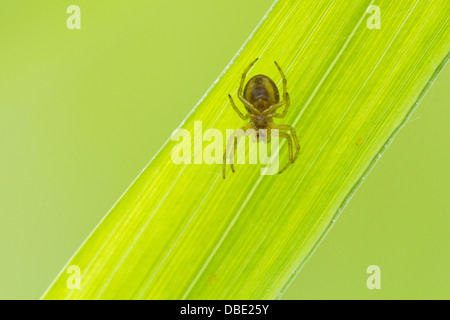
x: 261, y: 100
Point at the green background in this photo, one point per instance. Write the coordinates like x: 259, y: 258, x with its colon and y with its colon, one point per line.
x: 83, y: 111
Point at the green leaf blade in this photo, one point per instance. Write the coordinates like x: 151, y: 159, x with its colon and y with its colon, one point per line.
x: 183, y: 232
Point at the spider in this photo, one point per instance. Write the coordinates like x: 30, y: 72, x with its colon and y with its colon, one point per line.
x: 261, y: 100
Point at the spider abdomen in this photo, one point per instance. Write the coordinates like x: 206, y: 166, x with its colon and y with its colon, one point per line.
x: 261, y: 92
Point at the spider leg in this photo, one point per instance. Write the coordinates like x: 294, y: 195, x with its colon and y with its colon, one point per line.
x: 249, y: 105
x: 273, y: 108
x: 232, y: 153
x: 237, y: 110
x: 241, y: 89
x: 284, y: 81
x: 294, y: 137
x: 286, y: 99
x: 233, y: 139
x: 288, y: 138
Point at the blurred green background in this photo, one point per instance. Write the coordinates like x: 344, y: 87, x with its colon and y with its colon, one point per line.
x: 83, y: 111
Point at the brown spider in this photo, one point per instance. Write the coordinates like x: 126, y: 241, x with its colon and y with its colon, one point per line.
x: 261, y: 99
